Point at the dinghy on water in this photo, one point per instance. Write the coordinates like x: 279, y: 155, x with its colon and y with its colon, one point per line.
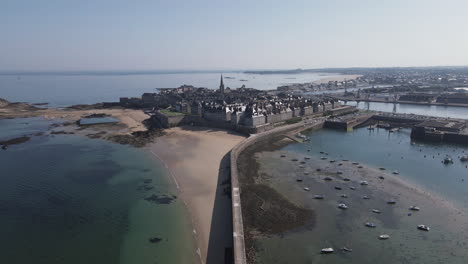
x: 342, y: 206
x: 371, y: 225
x: 384, y: 237
x: 347, y: 249
x: 376, y: 211
x: 364, y: 183
x: 423, y: 227
x: 327, y: 250
x: 448, y: 160
x: 414, y: 208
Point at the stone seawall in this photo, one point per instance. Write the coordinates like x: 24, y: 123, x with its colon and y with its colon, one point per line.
x: 237, y: 221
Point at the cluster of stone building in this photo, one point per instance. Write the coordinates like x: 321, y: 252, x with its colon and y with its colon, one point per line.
x: 234, y: 107
x: 315, y: 87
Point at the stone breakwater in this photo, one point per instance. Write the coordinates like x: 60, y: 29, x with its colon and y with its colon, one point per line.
x: 240, y: 256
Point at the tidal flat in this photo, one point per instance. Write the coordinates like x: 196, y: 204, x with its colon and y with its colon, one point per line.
x: 289, y: 168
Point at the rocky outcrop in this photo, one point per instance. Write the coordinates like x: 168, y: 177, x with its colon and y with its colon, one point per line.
x: 3, y: 103
x: 13, y: 141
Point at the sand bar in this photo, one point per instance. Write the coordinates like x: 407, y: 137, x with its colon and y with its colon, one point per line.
x: 197, y: 161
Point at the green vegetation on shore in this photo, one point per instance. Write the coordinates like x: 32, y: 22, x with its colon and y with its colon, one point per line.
x: 168, y: 112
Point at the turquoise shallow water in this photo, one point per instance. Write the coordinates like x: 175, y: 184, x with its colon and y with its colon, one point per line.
x: 332, y: 227
x: 70, y: 199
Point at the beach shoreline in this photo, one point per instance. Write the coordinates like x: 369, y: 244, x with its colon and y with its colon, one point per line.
x: 197, y: 160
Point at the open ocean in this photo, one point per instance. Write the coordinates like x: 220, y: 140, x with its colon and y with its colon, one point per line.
x: 87, y: 88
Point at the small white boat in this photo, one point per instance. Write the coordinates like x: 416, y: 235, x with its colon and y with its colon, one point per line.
x: 352, y: 188
x: 327, y: 250
x: 342, y: 206
x: 395, y: 172
x: 319, y: 197
x: 464, y: 158
x: 344, y: 196
x: 414, y: 208
x: 384, y: 237
x: 376, y: 211
x: 306, y: 189
x: 423, y: 227
x: 371, y: 225
x: 365, y: 197
x: 364, y: 183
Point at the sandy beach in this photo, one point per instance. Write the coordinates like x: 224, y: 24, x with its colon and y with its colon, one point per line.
x: 199, y: 165
x: 131, y: 119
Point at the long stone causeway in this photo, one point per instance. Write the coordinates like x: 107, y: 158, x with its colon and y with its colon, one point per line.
x: 237, y: 222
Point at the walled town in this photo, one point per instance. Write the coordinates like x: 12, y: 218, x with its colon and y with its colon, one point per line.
x: 243, y: 109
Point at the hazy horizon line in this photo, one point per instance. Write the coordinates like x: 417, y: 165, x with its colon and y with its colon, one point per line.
x: 193, y: 71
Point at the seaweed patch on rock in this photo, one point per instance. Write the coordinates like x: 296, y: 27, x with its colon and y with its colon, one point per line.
x: 137, y: 139
x: 160, y: 199
x: 154, y: 240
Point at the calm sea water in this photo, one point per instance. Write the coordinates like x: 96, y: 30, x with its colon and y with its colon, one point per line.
x: 419, y: 164
x: 65, y: 90
x: 70, y: 199
x: 430, y: 110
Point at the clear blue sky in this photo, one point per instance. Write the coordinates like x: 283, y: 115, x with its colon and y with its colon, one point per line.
x: 255, y: 34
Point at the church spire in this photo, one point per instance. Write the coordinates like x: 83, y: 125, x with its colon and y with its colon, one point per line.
x: 221, y: 87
